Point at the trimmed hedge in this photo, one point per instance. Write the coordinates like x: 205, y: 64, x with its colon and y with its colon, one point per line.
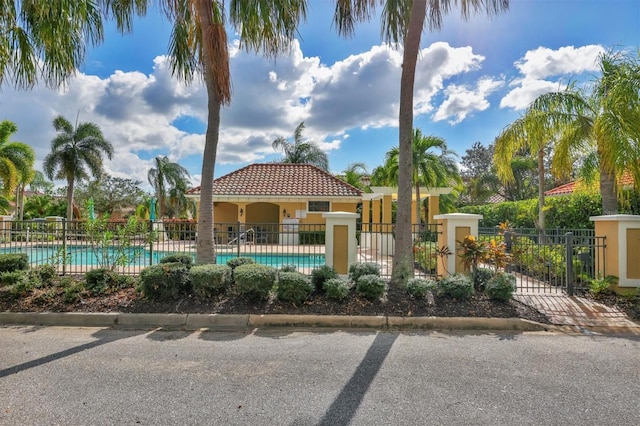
x: 370, y: 286
x: 254, y: 281
x: 418, y: 288
x: 210, y: 279
x: 184, y: 258
x: 336, y: 288
x: 357, y: 269
x: 10, y: 262
x: 320, y: 275
x: 457, y: 286
x: 501, y: 286
x: 165, y: 281
x: 294, y: 287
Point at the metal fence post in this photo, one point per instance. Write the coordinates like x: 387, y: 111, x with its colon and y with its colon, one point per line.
x: 569, y: 262
x: 64, y: 246
x: 150, y: 242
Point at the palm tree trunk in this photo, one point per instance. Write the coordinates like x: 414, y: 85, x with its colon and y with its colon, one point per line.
x: 403, y: 257
x: 541, y: 219
x: 608, y: 192
x: 205, y: 249
x: 70, y: 185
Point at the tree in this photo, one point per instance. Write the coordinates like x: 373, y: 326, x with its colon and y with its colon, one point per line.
x: 476, y: 161
x: 354, y: 175
x: 110, y: 194
x: 76, y: 155
x: 40, y: 184
x: 430, y: 169
x: 301, y: 151
x: 164, y: 177
x: 403, y: 22
x: 603, y: 119
x: 16, y: 159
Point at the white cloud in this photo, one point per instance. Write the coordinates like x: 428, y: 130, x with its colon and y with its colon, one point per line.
x: 462, y: 101
x: 539, y: 65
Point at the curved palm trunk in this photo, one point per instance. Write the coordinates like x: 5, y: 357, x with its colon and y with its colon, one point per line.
x: 608, y: 192
x: 403, y: 257
x: 205, y: 249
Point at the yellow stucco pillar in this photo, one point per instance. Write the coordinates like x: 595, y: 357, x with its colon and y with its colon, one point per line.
x: 386, y: 211
x: 434, y: 208
x: 376, y: 219
x: 620, y: 257
x: 366, y: 216
x: 455, y: 226
x: 341, y: 245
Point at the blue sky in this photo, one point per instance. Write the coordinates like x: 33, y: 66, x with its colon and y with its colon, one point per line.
x: 473, y: 79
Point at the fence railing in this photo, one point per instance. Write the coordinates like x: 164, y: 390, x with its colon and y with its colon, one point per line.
x: 553, y: 260
x: 76, y: 247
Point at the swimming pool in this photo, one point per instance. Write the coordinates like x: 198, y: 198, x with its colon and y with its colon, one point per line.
x: 138, y: 256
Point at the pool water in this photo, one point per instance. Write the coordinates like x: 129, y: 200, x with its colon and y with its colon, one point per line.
x: 86, y: 256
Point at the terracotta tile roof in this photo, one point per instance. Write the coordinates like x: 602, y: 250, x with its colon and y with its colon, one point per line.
x: 282, y: 180
x: 568, y: 188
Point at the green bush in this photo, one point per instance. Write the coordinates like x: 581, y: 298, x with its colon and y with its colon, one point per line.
x: 254, y: 281
x: 481, y: 276
x: 14, y: 262
x: 238, y: 261
x: 501, y: 286
x: 603, y: 285
x: 320, y: 275
x: 44, y: 273
x: 370, y: 286
x: 424, y: 254
x: 164, y: 281
x: 418, y: 288
x: 208, y: 280
x: 184, y: 258
x: 357, y: 269
x: 12, y: 277
x: 294, y: 287
x: 72, y: 290
x: 288, y: 268
x: 98, y: 281
x: 336, y: 288
x: 457, y: 286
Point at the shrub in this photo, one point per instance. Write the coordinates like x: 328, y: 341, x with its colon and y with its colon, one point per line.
x: 184, y: 258
x: 73, y: 290
x: 481, y: 276
x: 288, y: 268
x: 370, y: 286
x: 501, y: 286
x: 356, y: 270
x: 418, y: 288
x: 44, y: 273
x: 164, y: 281
x: 99, y: 280
x: 336, y: 288
x: 12, y: 277
x: 254, y: 281
x: 457, y: 285
x: 238, y: 261
x: 294, y: 287
x: 602, y: 285
x: 14, y: 262
x: 320, y: 276
x: 208, y: 280
x: 425, y: 255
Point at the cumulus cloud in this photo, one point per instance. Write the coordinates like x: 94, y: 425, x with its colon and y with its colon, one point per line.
x: 538, y: 66
x: 141, y: 113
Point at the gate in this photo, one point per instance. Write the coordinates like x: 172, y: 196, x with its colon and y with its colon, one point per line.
x: 554, y: 261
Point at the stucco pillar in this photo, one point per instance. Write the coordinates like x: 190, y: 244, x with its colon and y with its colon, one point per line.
x: 620, y: 257
x: 434, y: 208
x: 341, y: 245
x: 366, y: 216
x: 376, y: 219
x: 387, y: 241
x: 454, y: 227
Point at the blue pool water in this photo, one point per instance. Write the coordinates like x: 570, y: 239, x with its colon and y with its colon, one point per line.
x: 85, y: 256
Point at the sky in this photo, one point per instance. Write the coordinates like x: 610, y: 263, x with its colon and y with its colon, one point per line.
x: 473, y: 78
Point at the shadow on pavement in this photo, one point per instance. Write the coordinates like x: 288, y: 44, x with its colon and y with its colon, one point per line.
x: 347, y: 402
x: 103, y: 337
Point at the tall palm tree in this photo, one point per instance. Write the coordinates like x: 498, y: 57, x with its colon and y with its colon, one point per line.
x: 199, y: 46
x: 167, y: 177
x: 16, y: 159
x: 76, y: 154
x: 301, y: 151
x: 430, y: 168
x: 603, y: 119
x: 403, y: 22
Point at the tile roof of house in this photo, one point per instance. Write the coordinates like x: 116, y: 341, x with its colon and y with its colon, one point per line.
x: 568, y: 188
x: 281, y: 179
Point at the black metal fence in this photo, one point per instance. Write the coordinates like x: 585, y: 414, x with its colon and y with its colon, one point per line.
x: 552, y: 261
x: 76, y: 247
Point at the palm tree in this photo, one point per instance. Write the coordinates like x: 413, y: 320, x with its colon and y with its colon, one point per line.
x: 301, y: 151
x: 403, y: 22
x: 604, y: 119
x: 16, y: 159
x: 354, y: 174
x: 164, y: 177
x: 429, y: 168
x: 76, y: 154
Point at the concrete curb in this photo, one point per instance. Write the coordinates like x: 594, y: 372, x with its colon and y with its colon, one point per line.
x: 243, y: 322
